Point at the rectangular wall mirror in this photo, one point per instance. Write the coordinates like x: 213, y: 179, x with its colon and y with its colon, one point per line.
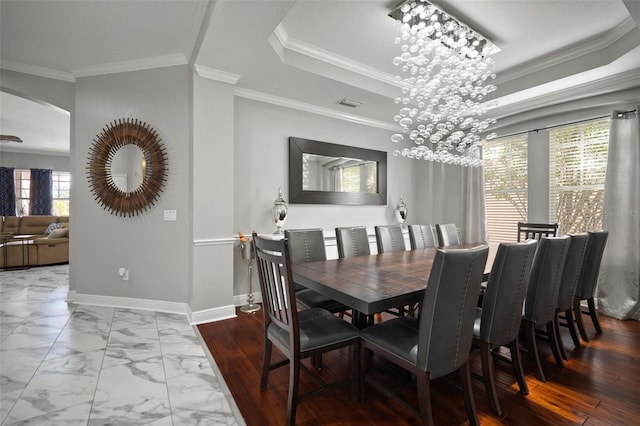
x: 327, y: 173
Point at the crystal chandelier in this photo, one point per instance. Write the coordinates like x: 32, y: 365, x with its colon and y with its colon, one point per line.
x: 446, y: 74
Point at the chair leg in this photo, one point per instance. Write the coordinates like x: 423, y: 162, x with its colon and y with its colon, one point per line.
x: 487, y: 375
x: 469, y: 403
x: 294, y: 381
x: 316, y: 361
x: 594, y: 315
x: 424, y: 398
x: 555, y: 345
x: 266, y: 361
x: 532, y: 348
x: 577, y: 310
x: 516, y: 361
x: 571, y: 325
x: 556, y: 329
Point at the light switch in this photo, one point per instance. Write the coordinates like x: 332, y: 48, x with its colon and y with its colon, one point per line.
x: 170, y: 215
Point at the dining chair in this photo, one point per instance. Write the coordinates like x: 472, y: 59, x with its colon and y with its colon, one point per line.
x: 497, y: 322
x: 541, y: 302
x: 389, y: 238
x: 422, y: 236
x: 586, y: 289
x: 536, y: 231
x: 307, y: 245
x: 573, y: 271
x: 436, y: 342
x: 297, y: 334
x: 447, y: 234
x: 352, y: 241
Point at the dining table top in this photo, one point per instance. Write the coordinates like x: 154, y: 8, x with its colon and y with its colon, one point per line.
x: 377, y: 282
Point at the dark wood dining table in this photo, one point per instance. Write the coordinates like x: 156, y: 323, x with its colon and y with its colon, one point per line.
x: 375, y: 283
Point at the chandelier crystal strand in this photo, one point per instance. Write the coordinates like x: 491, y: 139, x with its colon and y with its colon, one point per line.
x: 446, y: 73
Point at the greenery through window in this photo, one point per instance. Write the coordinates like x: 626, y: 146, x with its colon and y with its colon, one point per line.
x: 577, y: 168
x: 505, y: 176
x: 359, y: 178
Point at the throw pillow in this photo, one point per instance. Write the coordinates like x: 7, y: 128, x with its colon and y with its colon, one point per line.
x: 51, y: 227
x: 59, y: 233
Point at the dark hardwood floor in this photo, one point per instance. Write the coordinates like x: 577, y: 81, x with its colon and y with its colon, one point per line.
x: 599, y: 385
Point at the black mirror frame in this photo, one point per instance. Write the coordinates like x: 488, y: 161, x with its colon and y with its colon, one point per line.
x: 299, y: 146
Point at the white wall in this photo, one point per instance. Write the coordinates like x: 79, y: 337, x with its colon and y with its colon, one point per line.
x: 156, y: 252
x: 19, y: 160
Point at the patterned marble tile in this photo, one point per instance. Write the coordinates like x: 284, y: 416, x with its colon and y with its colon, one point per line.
x: 66, y: 364
x: 130, y: 396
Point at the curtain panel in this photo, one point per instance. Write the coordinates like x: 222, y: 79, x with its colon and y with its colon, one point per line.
x: 619, y: 281
x: 7, y: 192
x: 41, y: 196
x: 474, y: 204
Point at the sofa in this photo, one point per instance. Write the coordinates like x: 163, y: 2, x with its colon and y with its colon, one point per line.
x: 34, y: 241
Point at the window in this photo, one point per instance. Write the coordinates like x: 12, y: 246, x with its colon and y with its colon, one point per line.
x: 505, y: 175
x: 358, y: 178
x: 61, y: 189
x: 23, y: 189
x: 577, y: 167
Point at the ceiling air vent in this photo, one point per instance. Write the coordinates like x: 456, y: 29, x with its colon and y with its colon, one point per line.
x: 349, y: 102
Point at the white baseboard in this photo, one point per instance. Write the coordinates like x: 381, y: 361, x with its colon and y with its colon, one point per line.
x: 213, y: 314
x: 129, y: 303
x: 241, y: 299
x: 197, y: 317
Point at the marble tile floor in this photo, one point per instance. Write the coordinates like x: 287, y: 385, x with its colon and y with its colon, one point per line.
x: 67, y: 364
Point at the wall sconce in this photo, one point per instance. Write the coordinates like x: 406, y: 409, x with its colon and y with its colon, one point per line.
x: 401, y: 211
x: 279, y: 212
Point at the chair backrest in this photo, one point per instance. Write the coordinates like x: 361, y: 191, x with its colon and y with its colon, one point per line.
x: 573, y: 270
x: 535, y: 231
x: 447, y: 312
x: 422, y: 236
x: 502, y: 301
x: 352, y: 241
x: 447, y: 234
x: 544, y: 282
x: 389, y: 238
x: 276, y: 284
x: 587, y: 287
x: 305, y: 245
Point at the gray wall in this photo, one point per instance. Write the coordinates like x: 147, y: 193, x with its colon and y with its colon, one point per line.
x: 156, y: 252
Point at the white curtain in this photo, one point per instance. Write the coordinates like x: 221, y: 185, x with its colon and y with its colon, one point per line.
x: 474, y: 210
x: 619, y: 281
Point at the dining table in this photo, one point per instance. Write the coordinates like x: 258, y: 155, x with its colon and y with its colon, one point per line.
x: 375, y: 283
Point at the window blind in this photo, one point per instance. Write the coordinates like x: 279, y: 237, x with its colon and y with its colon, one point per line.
x: 505, y: 175
x: 577, y: 168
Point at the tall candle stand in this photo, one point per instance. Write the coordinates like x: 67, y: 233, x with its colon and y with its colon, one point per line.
x: 247, y: 254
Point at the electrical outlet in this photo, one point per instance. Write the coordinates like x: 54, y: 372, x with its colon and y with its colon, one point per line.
x: 170, y: 215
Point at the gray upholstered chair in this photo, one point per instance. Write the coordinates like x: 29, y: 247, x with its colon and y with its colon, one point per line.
x: 352, y: 241
x: 422, y: 236
x: 541, y: 303
x: 447, y: 234
x: 586, y: 289
x: 438, y: 341
x: 307, y: 245
x: 297, y: 335
x: 498, y: 320
x: 389, y: 238
x: 573, y: 271
x: 535, y: 231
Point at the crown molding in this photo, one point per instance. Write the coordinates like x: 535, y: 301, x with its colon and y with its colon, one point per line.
x: 133, y: 65
x: 314, y: 109
x: 594, y: 44
x: 622, y: 81
x: 297, y: 53
x: 217, y: 75
x: 37, y: 71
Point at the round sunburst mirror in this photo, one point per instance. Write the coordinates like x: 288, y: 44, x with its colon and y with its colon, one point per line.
x: 127, y: 167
